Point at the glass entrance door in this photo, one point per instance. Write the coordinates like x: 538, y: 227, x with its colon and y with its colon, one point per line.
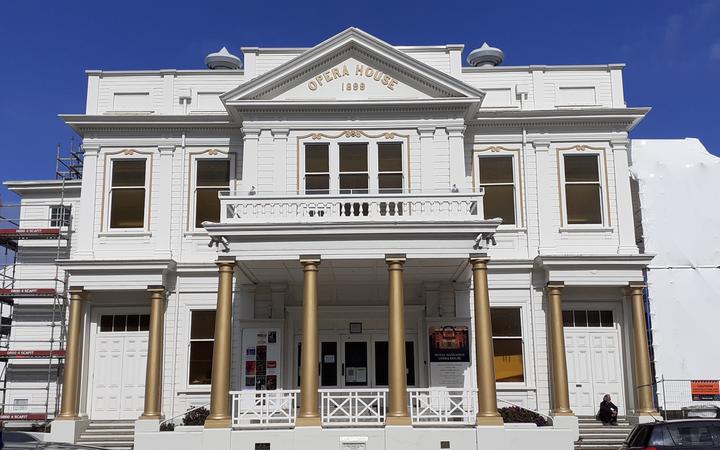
x: 355, y: 366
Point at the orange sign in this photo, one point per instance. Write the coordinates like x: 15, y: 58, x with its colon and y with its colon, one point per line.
x: 705, y: 390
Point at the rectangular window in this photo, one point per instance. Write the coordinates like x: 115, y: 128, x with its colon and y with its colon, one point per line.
x: 353, y: 169
x: 122, y: 323
x: 381, y: 363
x: 211, y: 177
x: 317, y: 168
x: 390, y: 168
x: 60, y: 216
x: 127, y: 194
x: 583, y: 192
x: 202, y: 339
x: 508, y: 344
x: 588, y: 318
x: 497, y: 179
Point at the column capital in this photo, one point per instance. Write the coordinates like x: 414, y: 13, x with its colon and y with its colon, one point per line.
x: 619, y: 144
x: 555, y: 284
x: 224, y: 262
x: 541, y: 145
x: 251, y: 133
x: 479, y: 258
x: 166, y: 149
x: 636, y: 285
x: 397, y: 258
x: 156, y: 288
x: 310, y: 260
x: 426, y: 132
x: 280, y: 133
x: 455, y: 130
x: 90, y: 149
x: 76, y: 290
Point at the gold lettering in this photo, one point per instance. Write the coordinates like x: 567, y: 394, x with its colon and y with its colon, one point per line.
x: 312, y: 85
x: 319, y: 79
x: 335, y: 73
x: 345, y: 71
x: 386, y: 79
x: 327, y: 76
x: 391, y: 84
x: 377, y: 76
x: 369, y: 72
x: 359, y: 69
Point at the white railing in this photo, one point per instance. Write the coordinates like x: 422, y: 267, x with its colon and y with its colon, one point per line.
x: 357, y: 407
x: 442, y: 406
x: 254, y: 209
x: 264, y: 409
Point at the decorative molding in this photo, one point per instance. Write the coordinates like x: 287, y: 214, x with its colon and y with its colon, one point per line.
x: 496, y: 149
x: 353, y: 134
x: 581, y: 148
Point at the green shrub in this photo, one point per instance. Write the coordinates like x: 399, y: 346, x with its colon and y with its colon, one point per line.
x: 516, y: 414
x: 167, y: 426
x: 196, y: 416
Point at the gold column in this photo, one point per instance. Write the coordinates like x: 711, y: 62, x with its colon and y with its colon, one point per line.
x: 397, y: 377
x: 309, y: 411
x: 69, y: 408
x: 558, y: 361
x: 484, y: 354
x: 220, y: 381
x: 643, y: 374
x: 153, y: 370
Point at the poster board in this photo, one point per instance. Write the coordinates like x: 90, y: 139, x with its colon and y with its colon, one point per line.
x: 261, y: 358
x: 705, y: 390
x: 449, y: 354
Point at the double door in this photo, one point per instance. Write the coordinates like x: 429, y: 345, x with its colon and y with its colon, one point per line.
x: 358, y: 361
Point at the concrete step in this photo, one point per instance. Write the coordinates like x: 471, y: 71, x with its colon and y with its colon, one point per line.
x: 97, y: 431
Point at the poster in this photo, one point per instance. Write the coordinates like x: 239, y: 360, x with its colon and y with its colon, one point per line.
x: 449, y: 349
x: 705, y: 390
x: 261, y: 353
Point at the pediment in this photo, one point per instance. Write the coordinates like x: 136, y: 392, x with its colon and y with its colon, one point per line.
x: 350, y: 67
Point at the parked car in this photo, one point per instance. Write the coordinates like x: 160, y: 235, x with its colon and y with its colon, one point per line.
x: 21, y: 440
x: 688, y: 434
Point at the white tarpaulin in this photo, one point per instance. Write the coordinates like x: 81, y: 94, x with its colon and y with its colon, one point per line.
x: 679, y: 192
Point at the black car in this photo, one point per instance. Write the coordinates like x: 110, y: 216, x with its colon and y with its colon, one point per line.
x: 690, y: 434
x: 20, y: 440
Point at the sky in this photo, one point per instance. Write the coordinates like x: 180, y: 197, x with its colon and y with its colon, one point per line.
x: 671, y: 48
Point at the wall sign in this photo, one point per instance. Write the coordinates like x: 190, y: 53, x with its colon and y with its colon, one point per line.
x: 352, y: 78
x: 261, y: 358
x: 705, y: 390
x: 449, y: 349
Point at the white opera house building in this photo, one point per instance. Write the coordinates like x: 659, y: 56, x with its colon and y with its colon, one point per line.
x: 355, y: 245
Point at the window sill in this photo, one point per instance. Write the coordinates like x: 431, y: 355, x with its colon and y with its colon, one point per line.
x: 198, y: 233
x: 511, y: 229
x: 199, y: 390
x: 130, y: 233
x: 513, y: 386
x: 586, y: 229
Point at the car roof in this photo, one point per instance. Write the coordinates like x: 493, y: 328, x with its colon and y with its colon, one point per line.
x: 670, y: 422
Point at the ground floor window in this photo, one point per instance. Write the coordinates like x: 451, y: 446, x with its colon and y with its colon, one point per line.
x: 202, y: 340
x: 124, y: 322
x: 508, y: 344
x: 588, y: 318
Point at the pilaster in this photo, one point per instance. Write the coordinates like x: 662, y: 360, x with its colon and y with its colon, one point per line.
x: 623, y: 198
x: 545, y: 197
x: 280, y: 139
x: 427, y: 157
x: 251, y: 142
x: 456, y: 145
x: 162, y: 222
x: 88, y: 196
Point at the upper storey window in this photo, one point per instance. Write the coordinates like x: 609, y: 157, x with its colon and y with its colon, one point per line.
x: 497, y: 178
x: 353, y: 168
x: 127, y: 193
x: 211, y: 177
x: 583, y: 189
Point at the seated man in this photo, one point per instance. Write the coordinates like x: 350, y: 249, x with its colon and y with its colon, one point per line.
x: 608, y: 411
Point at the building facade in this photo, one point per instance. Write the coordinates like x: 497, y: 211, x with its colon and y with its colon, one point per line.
x: 273, y: 238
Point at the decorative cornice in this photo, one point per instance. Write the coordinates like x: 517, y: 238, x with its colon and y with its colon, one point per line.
x: 353, y: 134
x: 581, y: 148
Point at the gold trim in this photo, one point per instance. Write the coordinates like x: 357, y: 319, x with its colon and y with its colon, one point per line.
x: 641, y: 351
x: 309, y: 410
x: 69, y: 407
x: 560, y: 177
x: 148, y: 155
x: 154, y: 365
x: 397, y: 379
x: 192, y: 155
x: 558, y: 360
x: 521, y: 175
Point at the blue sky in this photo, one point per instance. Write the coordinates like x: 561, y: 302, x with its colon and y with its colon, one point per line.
x: 671, y: 48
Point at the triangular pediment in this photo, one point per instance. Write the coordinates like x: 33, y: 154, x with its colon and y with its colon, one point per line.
x: 352, y: 67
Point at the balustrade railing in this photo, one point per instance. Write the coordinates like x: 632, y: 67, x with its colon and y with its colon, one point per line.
x: 264, y: 409
x: 457, y: 207
x: 442, y: 406
x: 356, y: 407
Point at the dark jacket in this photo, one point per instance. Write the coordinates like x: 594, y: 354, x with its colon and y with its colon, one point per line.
x: 606, y: 411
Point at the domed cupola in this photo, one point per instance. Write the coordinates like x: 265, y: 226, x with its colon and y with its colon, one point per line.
x: 485, y: 56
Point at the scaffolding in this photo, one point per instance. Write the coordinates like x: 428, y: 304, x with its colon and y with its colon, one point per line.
x: 32, y: 341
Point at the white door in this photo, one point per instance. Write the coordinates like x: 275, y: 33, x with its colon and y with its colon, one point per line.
x: 594, y: 365
x: 118, y: 385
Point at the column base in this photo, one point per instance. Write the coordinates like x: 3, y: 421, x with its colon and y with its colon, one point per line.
x: 398, y: 420
x: 567, y: 422
x: 147, y: 424
x: 216, y: 438
x: 68, y: 430
x: 308, y: 422
x: 218, y: 423
x: 489, y: 421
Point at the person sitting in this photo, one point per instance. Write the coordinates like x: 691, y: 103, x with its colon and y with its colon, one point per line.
x: 608, y: 411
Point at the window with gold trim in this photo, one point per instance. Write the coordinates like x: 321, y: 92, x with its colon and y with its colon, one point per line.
x: 127, y: 193
x: 583, y: 189
x: 497, y: 178
x: 212, y: 175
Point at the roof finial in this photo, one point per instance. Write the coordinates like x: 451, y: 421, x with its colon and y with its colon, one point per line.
x: 223, y: 59
x: 485, y: 56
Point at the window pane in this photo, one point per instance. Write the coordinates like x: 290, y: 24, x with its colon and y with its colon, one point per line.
x: 499, y: 201
x: 133, y: 322
x: 580, y: 318
x: 128, y: 173
x: 505, y: 321
x: 328, y: 363
x: 207, y: 206
x: 390, y: 157
x: 144, y: 322
x: 353, y: 158
x: 581, y: 168
x: 106, y: 323
x: 316, y: 158
x: 390, y: 183
x: 496, y: 169
x: 119, y: 322
x: 355, y: 184
x: 381, y: 363
x: 593, y: 318
x: 567, y: 318
x: 214, y: 172
x: 606, y: 319
x: 317, y: 184
x: 201, y: 354
x: 202, y: 325
x: 128, y: 208
x: 508, y: 360
x: 583, y: 203
x: 410, y: 362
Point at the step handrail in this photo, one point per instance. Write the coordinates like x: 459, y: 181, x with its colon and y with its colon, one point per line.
x: 184, y: 413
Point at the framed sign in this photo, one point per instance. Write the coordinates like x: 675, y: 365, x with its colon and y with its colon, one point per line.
x: 705, y: 390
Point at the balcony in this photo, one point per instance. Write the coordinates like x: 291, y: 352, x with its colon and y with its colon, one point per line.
x: 356, y: 208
